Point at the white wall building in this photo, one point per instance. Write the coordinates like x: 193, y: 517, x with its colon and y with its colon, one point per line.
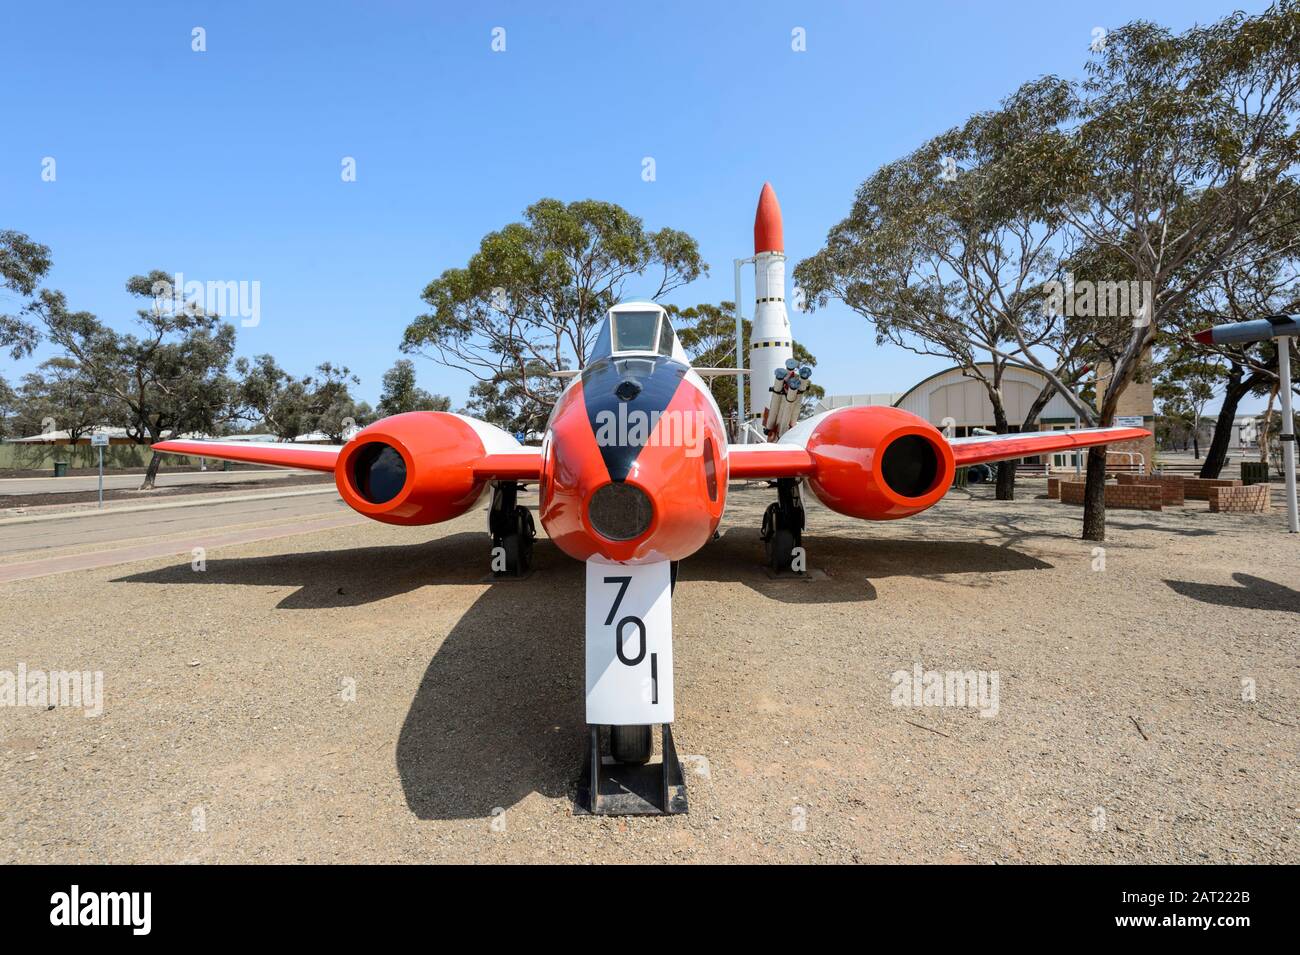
x: 952, y: 395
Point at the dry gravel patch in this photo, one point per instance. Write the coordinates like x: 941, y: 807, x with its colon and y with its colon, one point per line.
x: 359, y: 695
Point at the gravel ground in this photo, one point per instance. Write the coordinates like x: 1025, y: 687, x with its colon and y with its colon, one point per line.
x: 230, y: 733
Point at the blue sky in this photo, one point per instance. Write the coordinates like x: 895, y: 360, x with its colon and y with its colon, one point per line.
x: 226, y: 164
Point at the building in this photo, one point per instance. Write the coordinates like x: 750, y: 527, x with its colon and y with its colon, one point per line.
x: 959, y: 404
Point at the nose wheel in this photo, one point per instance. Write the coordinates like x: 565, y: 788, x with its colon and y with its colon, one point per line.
x: 630, y: 745
x: 513, y: 532
x: 782, y: 529
x: 626, y: 783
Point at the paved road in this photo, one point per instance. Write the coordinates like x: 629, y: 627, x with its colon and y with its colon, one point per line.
x: 89, y: 482
x: 37, y: 548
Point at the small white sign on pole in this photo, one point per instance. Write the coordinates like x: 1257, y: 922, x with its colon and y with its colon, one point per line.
x: 100, y: 441
x: 629, y: 643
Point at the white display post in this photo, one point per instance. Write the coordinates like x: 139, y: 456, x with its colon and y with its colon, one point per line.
x: 1288, y: 430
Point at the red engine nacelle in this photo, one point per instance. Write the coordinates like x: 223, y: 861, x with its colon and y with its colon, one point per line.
x: 878, y: 463
x: 413, y: 468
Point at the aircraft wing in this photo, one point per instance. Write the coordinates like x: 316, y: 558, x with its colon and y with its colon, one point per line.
x: 788, y: 458
x: 770, y: 460
x: 281, y: 454
x: 523, y: 464
x: 981, y: 449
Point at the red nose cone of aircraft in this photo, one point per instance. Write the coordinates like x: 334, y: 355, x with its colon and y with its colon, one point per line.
x: 767, y: 223
x: 1206, y: 337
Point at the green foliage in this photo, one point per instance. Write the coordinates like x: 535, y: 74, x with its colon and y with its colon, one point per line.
x: 530, y: 299
x: 1182, y: 153
x: 169, y: 378
x: 509, y: 402
x: 59, y: 394
x: 400, y: 393
x: 23, y: 263
x: 946, y: 251
x: 289, y: 406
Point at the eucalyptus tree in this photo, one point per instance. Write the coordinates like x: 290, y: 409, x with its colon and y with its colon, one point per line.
x: 290, y: 406
x: 170, y: 378
x: 400, y: 392
x: 947, y: 252
x: 23, y: 264
x: 58, y: 394
x: 1179, y: 149
x: 529, y: 300
x: 1262, y: 279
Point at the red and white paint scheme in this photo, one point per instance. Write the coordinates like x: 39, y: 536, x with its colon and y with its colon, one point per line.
x: 770, y: 340
x: 632, y: 476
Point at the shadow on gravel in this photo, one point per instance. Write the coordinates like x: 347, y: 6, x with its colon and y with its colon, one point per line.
x: 850, y: 564
x: 1162, y: 528
x: 340, y: 578
x: 500, y: 712
x: 1253, y: 593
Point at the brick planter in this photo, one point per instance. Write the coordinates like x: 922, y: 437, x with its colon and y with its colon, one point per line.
x: 1198, y: 489
x: 1250, y: 499
x: 1134, y: 497
x: 1172, y: 486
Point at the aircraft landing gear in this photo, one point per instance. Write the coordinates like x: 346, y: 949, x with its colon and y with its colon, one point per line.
x: 629, y: 671
x: 630, y: 744
x: 625, y: 783
x: 782, y: 529
x: 512, y: 529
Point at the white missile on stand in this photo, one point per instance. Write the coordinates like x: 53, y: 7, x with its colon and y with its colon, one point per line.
x: 771, y: 347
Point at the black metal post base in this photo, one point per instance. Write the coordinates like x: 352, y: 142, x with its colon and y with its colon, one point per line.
x: 608, y: 788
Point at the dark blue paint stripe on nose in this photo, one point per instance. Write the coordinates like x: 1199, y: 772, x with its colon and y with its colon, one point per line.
x: 658, y: 377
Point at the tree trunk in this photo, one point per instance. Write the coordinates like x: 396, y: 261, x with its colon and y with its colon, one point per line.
x: 1268, y: 423
x: 1122, y: 373
x: 1094, y: 496
x: 1006, y: 481
x: 1006, y: 485
x: 1030, y: 424
x: 1217, y: 453
x: 151, y: 472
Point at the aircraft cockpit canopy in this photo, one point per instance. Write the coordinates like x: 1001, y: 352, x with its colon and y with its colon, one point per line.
x: 635, y: 329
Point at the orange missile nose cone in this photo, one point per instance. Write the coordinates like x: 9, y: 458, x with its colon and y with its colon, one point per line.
x: 767, y: 223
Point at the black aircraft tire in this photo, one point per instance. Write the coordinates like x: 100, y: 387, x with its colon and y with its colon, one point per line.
x: 630, y: 744
x: 512, y: 545
x: 780, y: 549
x: 523, y: 540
